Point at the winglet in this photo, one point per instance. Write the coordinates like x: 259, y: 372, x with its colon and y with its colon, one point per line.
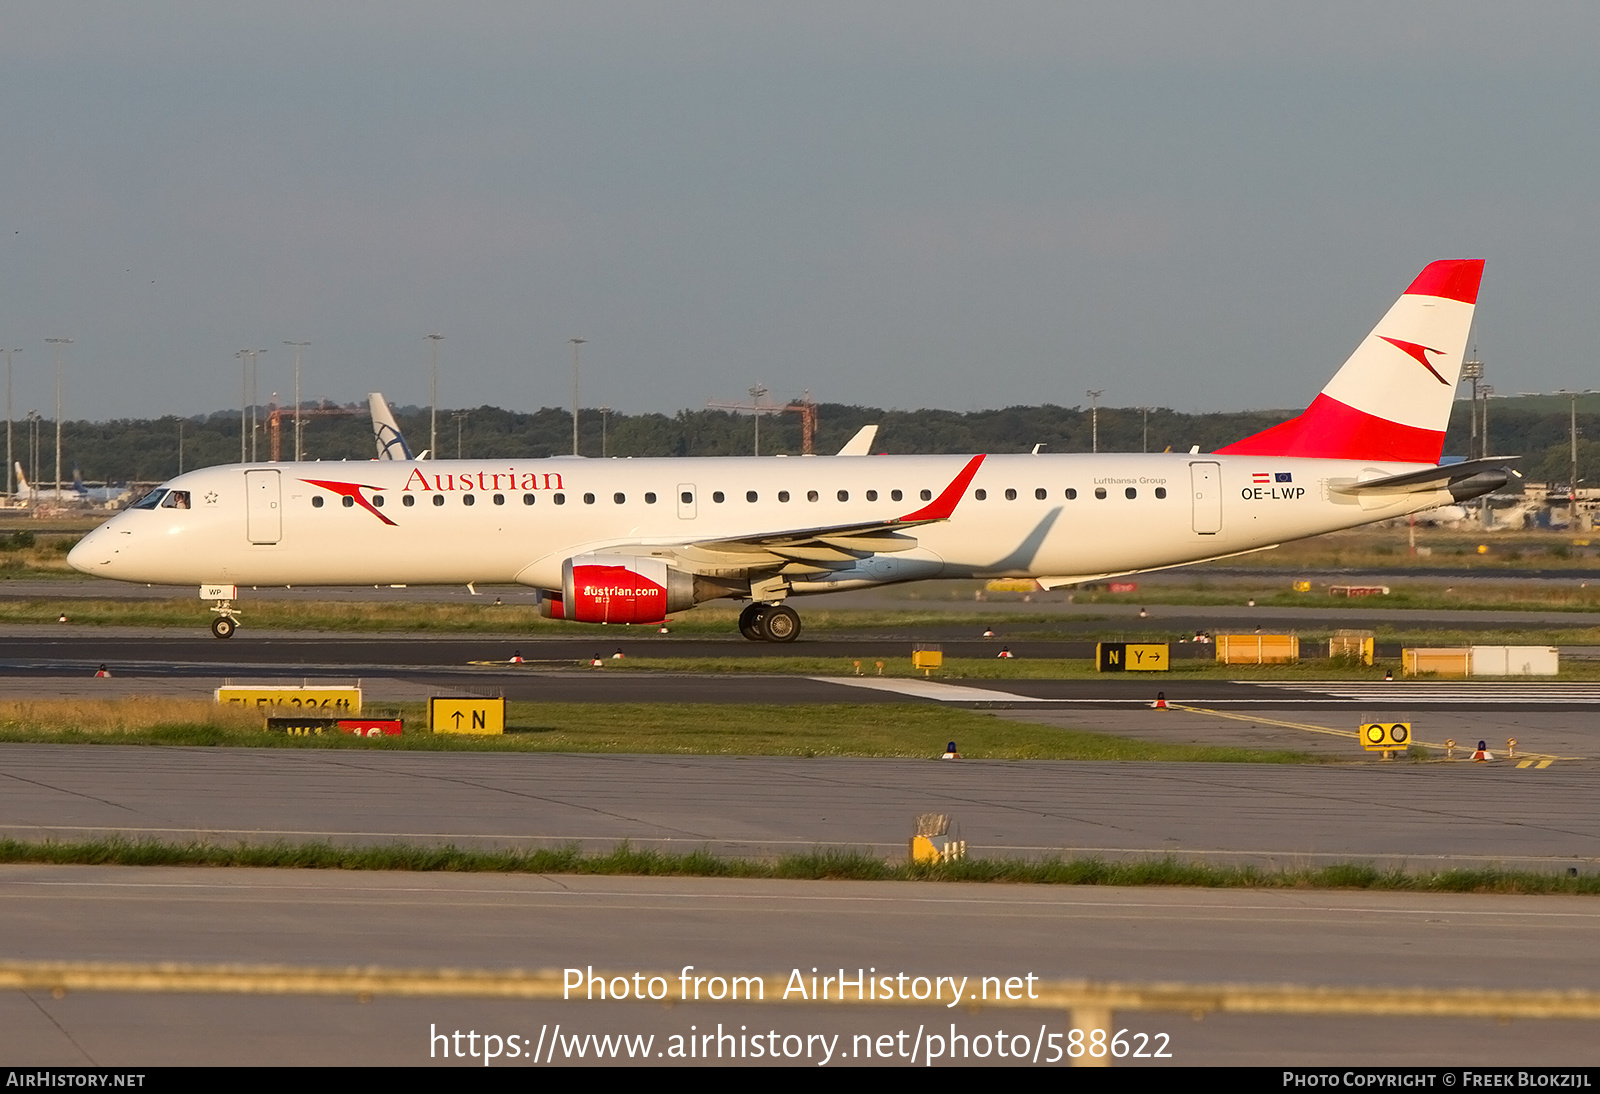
x: 942, y: 506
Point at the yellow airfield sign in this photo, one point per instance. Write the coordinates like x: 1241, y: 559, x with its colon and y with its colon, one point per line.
x: 330, y: 701
x: 474, y: 715
x: 1386, y: 736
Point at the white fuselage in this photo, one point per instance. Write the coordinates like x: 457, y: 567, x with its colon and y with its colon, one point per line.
x: 516, y: 521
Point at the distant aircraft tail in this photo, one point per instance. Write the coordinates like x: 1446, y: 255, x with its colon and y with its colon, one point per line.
x: 391, y: 443
x: 77, y: 481
x: 22, y: 480
x: 1391, y: 400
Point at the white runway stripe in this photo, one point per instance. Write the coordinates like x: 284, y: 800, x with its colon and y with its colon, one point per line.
x: 1464, y: 691
x: 931, y: 689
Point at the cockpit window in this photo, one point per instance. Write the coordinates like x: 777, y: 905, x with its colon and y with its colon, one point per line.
x: 150, y: 500
x: 176, y: 499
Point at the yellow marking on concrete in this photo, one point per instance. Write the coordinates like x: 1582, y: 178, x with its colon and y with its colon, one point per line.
x: 553, y: 984
x: 1525, y: 763
x: 1545, y: 759
x: 1542, y: 764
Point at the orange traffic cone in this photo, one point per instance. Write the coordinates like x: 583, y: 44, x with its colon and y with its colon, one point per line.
x: 1482, y: 754
x: 1161, y: 701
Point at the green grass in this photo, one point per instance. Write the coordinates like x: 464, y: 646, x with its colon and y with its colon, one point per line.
x: 835, y: 864
x: 902, y: 730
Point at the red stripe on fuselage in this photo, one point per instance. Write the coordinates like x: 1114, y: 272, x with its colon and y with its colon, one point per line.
x: 1331, y: 430
x: 1453, y: 279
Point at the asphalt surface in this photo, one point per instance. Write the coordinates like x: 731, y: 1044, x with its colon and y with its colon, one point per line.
x: 1402, y: 815
x: 767, y: 927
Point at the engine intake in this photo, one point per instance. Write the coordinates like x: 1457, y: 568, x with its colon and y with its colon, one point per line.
x: 619, y: 589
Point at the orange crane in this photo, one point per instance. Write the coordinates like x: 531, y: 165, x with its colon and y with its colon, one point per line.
x: 276, y: 414
x: 802, y: 406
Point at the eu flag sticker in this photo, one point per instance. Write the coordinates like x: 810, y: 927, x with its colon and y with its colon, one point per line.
x: 1284, y: 476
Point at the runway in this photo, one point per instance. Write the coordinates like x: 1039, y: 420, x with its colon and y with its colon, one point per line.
x: 747, y: 928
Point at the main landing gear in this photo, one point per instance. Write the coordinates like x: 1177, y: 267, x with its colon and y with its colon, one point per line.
x: 769, y: 623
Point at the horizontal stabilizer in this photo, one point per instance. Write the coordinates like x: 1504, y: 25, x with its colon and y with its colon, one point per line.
x: 1494, y: 469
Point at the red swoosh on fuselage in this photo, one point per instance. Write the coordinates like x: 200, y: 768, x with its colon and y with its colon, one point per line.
x: 942, y: 506
x: 353, y: 491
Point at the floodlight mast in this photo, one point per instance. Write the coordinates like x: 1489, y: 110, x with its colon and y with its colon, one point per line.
x: 298, y: 348
x: 433, y: 341
x: 576, y: 342
x: 60, y: 363
x: 10, y: 464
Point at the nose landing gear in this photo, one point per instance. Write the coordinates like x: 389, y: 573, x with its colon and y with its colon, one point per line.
x: 226, y: 621
x: 769, y: 623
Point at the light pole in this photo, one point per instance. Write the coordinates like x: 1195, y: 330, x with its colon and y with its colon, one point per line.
x: 1094, y: 418
x: 1145, y: 447
x: 60, y: 344
x: 298, y: 348
x: 1572, y: 481
x: 433, y: 341
x: 1473, y: 371
x: 605, y: 414
x: 33, y: 449
x: 755, y: 400
x: 10, y: 473
x: 576, y: 342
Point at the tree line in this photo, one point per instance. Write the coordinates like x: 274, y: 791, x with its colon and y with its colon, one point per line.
x: 150, y: 450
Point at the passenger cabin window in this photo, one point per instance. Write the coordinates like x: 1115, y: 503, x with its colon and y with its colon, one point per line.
x: 783, y: 495
x: 560, y: 499
x: 1041, y: 493
x: 1130, y: 493
x: 895, y: 495
x: 1071, y: 494
x: 377, y: 501
x: 499, y: 499
x: 686, y: 497
x: 844, y: 495
x: 438, y: 499
x: 1011, y: 495
x: 316, y: 503
x: 1161, y: 491
x: 1100, y: 492
x: 926, y: 495
x: 466, y: 499
x: 176, y: 499
x: 588, y: 499
x: 407, y: 500
x: 649, y: 499
x: 527, y: 499
x: 350, y: 503
x: 750, y: 495
x: 619, y: 499
x: 872, y: 495
x: 718, y: 496
x: 980, y: 494
x: 811, y: 495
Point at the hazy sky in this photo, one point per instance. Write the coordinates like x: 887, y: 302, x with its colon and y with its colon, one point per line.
x: 1196, y: 205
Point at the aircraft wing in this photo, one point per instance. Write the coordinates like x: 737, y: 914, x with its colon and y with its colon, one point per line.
x: 809, y: 550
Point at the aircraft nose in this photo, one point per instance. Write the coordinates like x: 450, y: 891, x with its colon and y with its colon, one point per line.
x: 93, y: 553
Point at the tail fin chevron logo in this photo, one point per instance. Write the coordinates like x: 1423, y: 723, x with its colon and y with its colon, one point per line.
x: 1417, y: 352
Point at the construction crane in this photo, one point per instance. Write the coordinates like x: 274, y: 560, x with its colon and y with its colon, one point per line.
x: 276, y: 414
x: 802, y: 406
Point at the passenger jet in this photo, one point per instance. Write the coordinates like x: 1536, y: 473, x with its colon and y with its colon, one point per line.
x: 631, y: 540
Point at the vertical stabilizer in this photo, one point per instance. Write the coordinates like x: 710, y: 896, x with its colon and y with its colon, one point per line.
x: 1391, y: 400
x: 391, y: 443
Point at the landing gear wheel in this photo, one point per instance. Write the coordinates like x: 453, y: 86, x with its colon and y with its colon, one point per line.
x: 223, y: 626
x: 780, y: 624
x: 750, y: 622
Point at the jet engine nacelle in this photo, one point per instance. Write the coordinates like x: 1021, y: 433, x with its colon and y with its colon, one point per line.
x: 619, y: 589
